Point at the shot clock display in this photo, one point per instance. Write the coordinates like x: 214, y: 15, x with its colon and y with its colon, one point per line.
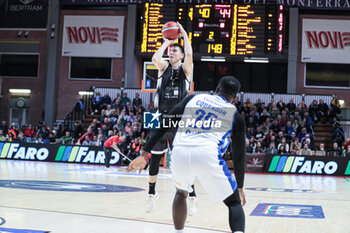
x: 219, y: 29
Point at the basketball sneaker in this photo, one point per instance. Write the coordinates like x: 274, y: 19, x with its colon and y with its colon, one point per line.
x: 192, y: 206
x: 151, y: 202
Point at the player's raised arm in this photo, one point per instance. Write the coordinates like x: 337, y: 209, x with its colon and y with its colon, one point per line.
x: 238, y: 153
x: 188, y: 61
x: 157, y: 56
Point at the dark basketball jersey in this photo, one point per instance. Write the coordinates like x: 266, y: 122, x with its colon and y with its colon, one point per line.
x: 172, y: 87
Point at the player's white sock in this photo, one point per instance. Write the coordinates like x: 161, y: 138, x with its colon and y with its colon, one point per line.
x: 179, y: 231
x: 238, y: 232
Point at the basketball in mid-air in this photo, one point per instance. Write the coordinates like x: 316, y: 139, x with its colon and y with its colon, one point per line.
x: 171, y: 30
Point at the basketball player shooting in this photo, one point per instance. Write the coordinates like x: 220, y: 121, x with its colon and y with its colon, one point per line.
x: 172, y: 85
x: 198, y: 152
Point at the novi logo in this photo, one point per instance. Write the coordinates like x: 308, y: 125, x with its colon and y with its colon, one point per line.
x: 296, y: 164
x: 325, y: 39
x: 94, y: 35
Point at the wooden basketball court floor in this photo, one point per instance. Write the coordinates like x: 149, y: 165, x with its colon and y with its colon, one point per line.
x: 23, y: 205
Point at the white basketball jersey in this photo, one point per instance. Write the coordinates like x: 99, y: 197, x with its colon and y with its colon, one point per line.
x: 207, y: 121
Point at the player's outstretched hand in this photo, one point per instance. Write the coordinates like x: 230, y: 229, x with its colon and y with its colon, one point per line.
x: 242, y: 196
x: 139, y: 162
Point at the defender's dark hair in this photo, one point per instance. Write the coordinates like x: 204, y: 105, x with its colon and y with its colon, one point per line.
x: 178, y: 45
x: 229, y: 85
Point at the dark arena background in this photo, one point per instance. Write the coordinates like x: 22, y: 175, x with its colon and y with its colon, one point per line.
x: 75, y: 72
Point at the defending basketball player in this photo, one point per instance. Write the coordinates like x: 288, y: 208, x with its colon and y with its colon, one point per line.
x: 172, y: 85
x: 198, y: 152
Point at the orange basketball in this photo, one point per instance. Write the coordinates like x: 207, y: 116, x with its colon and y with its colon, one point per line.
x: 171, y: 30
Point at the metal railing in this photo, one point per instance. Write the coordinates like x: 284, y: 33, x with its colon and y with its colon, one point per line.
x: 79, y: 111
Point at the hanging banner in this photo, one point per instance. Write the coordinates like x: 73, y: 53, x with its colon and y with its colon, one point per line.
x: 93, y: 36
x: 23, y: 13
x: 325, y: 41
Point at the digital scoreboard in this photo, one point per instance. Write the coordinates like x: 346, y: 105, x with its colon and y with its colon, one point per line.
x: 220, y: 29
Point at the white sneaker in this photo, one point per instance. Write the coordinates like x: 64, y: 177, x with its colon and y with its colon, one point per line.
x: 192, y: 206
x: 151, y: 202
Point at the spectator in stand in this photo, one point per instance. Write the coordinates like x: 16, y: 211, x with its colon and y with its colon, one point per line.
x: 313, y: 111
x: 259, y: 135
x: 248, y: 147
x: 109, y: 110
x: 289, y: 129
x: 123, y: 117
x: 284, y: 118
x: 52, y: 138
x: 29, y: 132
x: 13, y: 132
x: 245, y: 109
x: 4, y: 127
x: 336, y: 151
x: 274, y: 113
x: 87, y: 141
x: 117, y: 104
x: 96, y: 102
x: 128, y: 128
x: 78, y: 130
x: 303, y: 141
x: 137, y: 129
x: 347, y: 144
x: 136, y: 102
x: 321, y: 151
x: 89, y: 133
x: 259, y: 105
x: 67, y: 138
x: 134, y: 149
x: 105, y: 130
x: 272, y: 149
x: 307, y: 119
x: 125, y: 99
x: 291, y: 106
x: 302, y: 134
x: 99, y: 140
x: 131, y: 117
x: 335, y: 108
x: 309, y: 143
x: 143, y: 137
x: 301, y: 110
x: 258, y: 149
x: 21, y: 137
x: 150, y: 106
x: 322, y: 110
x: 282, y: 150
x: 249, y: 104
x: 280, y: 105
x: 284, y: 144
x: 114, y: 116
x: 119, y: 125
x: 347, y: 153
x: 264, y: 128
x: 106, y: 99
x: 2, y: 136
x: 264, y: 115
x: 237, y: 103
x: 292, y: 137
x: 305, y: 150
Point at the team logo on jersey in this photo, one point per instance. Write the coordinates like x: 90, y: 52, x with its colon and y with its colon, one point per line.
x: 151, y: 120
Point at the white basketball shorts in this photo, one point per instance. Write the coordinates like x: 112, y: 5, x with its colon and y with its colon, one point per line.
x: 202, y: 163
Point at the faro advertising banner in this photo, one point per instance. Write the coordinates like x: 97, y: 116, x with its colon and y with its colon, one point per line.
x: 55, y: 153
x: 310, y: 165
x: 93, y: 36
x: 325, y: 41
